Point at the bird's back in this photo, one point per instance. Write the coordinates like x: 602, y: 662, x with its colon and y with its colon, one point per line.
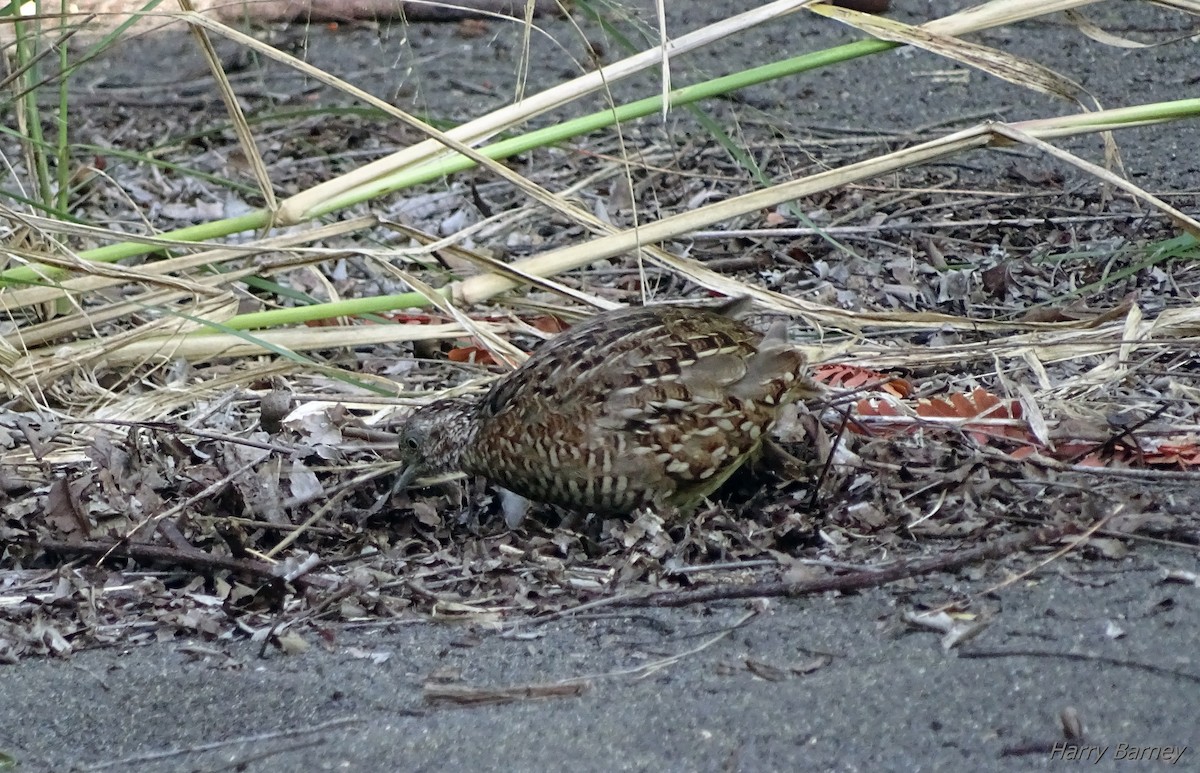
x: 642, y: 406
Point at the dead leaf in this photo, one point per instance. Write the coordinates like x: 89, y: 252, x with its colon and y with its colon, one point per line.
x: 765, y: 670
x: 809, y: 666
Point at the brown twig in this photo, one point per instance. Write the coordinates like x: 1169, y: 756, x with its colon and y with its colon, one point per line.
x: 466, y: 695
x: 177, y: 428
x: 195, y: 558
x: 897, y: 570
x: 1085, y: 657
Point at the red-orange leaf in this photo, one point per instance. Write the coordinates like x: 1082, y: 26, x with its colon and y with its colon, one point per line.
x: 845, y: 376
x: 474, y: 354
x: 548, y: 324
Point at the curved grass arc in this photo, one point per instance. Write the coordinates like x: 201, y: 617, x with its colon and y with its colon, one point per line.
x: 435, y: 169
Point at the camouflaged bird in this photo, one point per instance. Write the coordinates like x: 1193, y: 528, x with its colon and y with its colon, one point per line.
x: 653, y: 406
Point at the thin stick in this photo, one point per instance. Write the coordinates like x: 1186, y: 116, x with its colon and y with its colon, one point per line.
x: 893, y: 572
x: 191, y: 558
x: 128, y: 762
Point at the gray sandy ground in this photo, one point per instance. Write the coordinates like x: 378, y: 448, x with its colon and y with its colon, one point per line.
x: 889, y: 699
x: 1108, y: 640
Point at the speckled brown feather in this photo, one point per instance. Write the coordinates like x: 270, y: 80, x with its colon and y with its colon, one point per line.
x: 637, y: 407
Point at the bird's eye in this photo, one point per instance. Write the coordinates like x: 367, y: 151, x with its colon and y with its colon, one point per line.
x: 412, y: 443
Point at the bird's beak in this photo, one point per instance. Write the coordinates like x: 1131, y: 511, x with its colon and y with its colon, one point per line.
x: 407, y: 476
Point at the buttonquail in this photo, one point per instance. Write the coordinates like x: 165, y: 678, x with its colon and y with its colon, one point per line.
x: 654, y: 406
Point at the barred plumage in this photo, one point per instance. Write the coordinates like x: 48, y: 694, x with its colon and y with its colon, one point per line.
x: 648, y: 406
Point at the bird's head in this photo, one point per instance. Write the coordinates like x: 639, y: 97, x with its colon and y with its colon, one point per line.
x: 434, y: 437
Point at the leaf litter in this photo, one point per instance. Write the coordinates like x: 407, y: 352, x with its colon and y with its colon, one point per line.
x: 221, y: 498
x: 392, y: 555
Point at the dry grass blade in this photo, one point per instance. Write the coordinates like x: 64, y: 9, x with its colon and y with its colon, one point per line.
x: 301, y: 206
x: 1190, y: 6
x: 1001, y: 64
x: 1000, y: 13
x: 1099, y: 34
x: 446, y: 139
x: 498, y: 347
x: 479, y: 288
x: 1180, y: 218
x: 134, y: 347
x: 530, y: 107
x: 296, y: 209
x: 116, y: 274
x: 234, y: 110
x: 1172, y: 327
x: 159, y: 273
x: 203, y: 346
x: 491, y: 265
